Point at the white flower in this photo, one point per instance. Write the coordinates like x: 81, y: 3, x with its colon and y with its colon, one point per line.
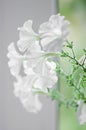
x: 23, y: 89
x: 55, y: 28
x: 27, y: 37
x: 49, y: 74
x: 14, y: 60
x: 41, y: 79
x: 82, y: 112
x: 46, y: 71
x: 47, y: 77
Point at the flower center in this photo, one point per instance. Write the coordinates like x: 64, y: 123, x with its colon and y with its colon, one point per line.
x: 57, y: 32
x: 37, y: 37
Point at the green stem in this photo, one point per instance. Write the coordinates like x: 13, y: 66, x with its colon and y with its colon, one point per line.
x: 73, y: 53
x: 52, y: 54
x: 84, y: 60
x: 77, y: 62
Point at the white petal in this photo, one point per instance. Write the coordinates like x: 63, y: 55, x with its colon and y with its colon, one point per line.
x: 47, y: 72
x: 24, y: 45
x: 55, y: 28
x: 28, y: 26
x: 27, y: 36
x: 45, y: 41
x: 14, y: 60
x: 23, y: 90
x: 82, y: 113
x: 32, y: 103
x: 35, y: 61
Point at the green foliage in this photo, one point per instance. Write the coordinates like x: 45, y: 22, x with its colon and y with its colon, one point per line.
x: 75, y: 80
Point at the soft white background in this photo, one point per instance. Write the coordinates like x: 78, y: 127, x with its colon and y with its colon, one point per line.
x: 13, y: 13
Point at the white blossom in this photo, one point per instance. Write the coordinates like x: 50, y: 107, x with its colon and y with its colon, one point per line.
x: 23, y: 89
x: 46, y: 71
x: 55, y: 28
x: 48, y: 77
x: 27, y: 37
x: 41, y: 79
x: 82, y: 112
x: 39, y: 74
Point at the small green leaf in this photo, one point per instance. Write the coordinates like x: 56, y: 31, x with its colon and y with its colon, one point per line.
x: 64, y: 54
x: 84, y: 51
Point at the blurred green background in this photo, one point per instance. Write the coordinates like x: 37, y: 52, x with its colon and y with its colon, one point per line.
x: 75, y: 12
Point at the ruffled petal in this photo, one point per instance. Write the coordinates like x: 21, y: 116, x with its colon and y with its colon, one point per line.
x: 14, y: 60
x: 55, y: 28
x: 27, y: 37
x: 82, y: 112
x: 23, y: 90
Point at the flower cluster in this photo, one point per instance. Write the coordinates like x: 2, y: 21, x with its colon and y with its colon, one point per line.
x: 31, y: 67
x: 33, y: 61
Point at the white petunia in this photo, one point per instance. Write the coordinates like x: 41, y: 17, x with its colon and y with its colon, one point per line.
x: 40, y: 79
x: 46, y: 71
x: 23, y: 89
x: 55, y: 28
x: 49, y: 74
x: 14, y: 60
x: 82, y: 112
x: 27, y: 37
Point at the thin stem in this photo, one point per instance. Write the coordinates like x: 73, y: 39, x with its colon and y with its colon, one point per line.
x: 73, y: 53
x: 39, y: 91
x: 52, y: 54
x: 78, y: 85
x: 76, y: 62
x: 84, y: 60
